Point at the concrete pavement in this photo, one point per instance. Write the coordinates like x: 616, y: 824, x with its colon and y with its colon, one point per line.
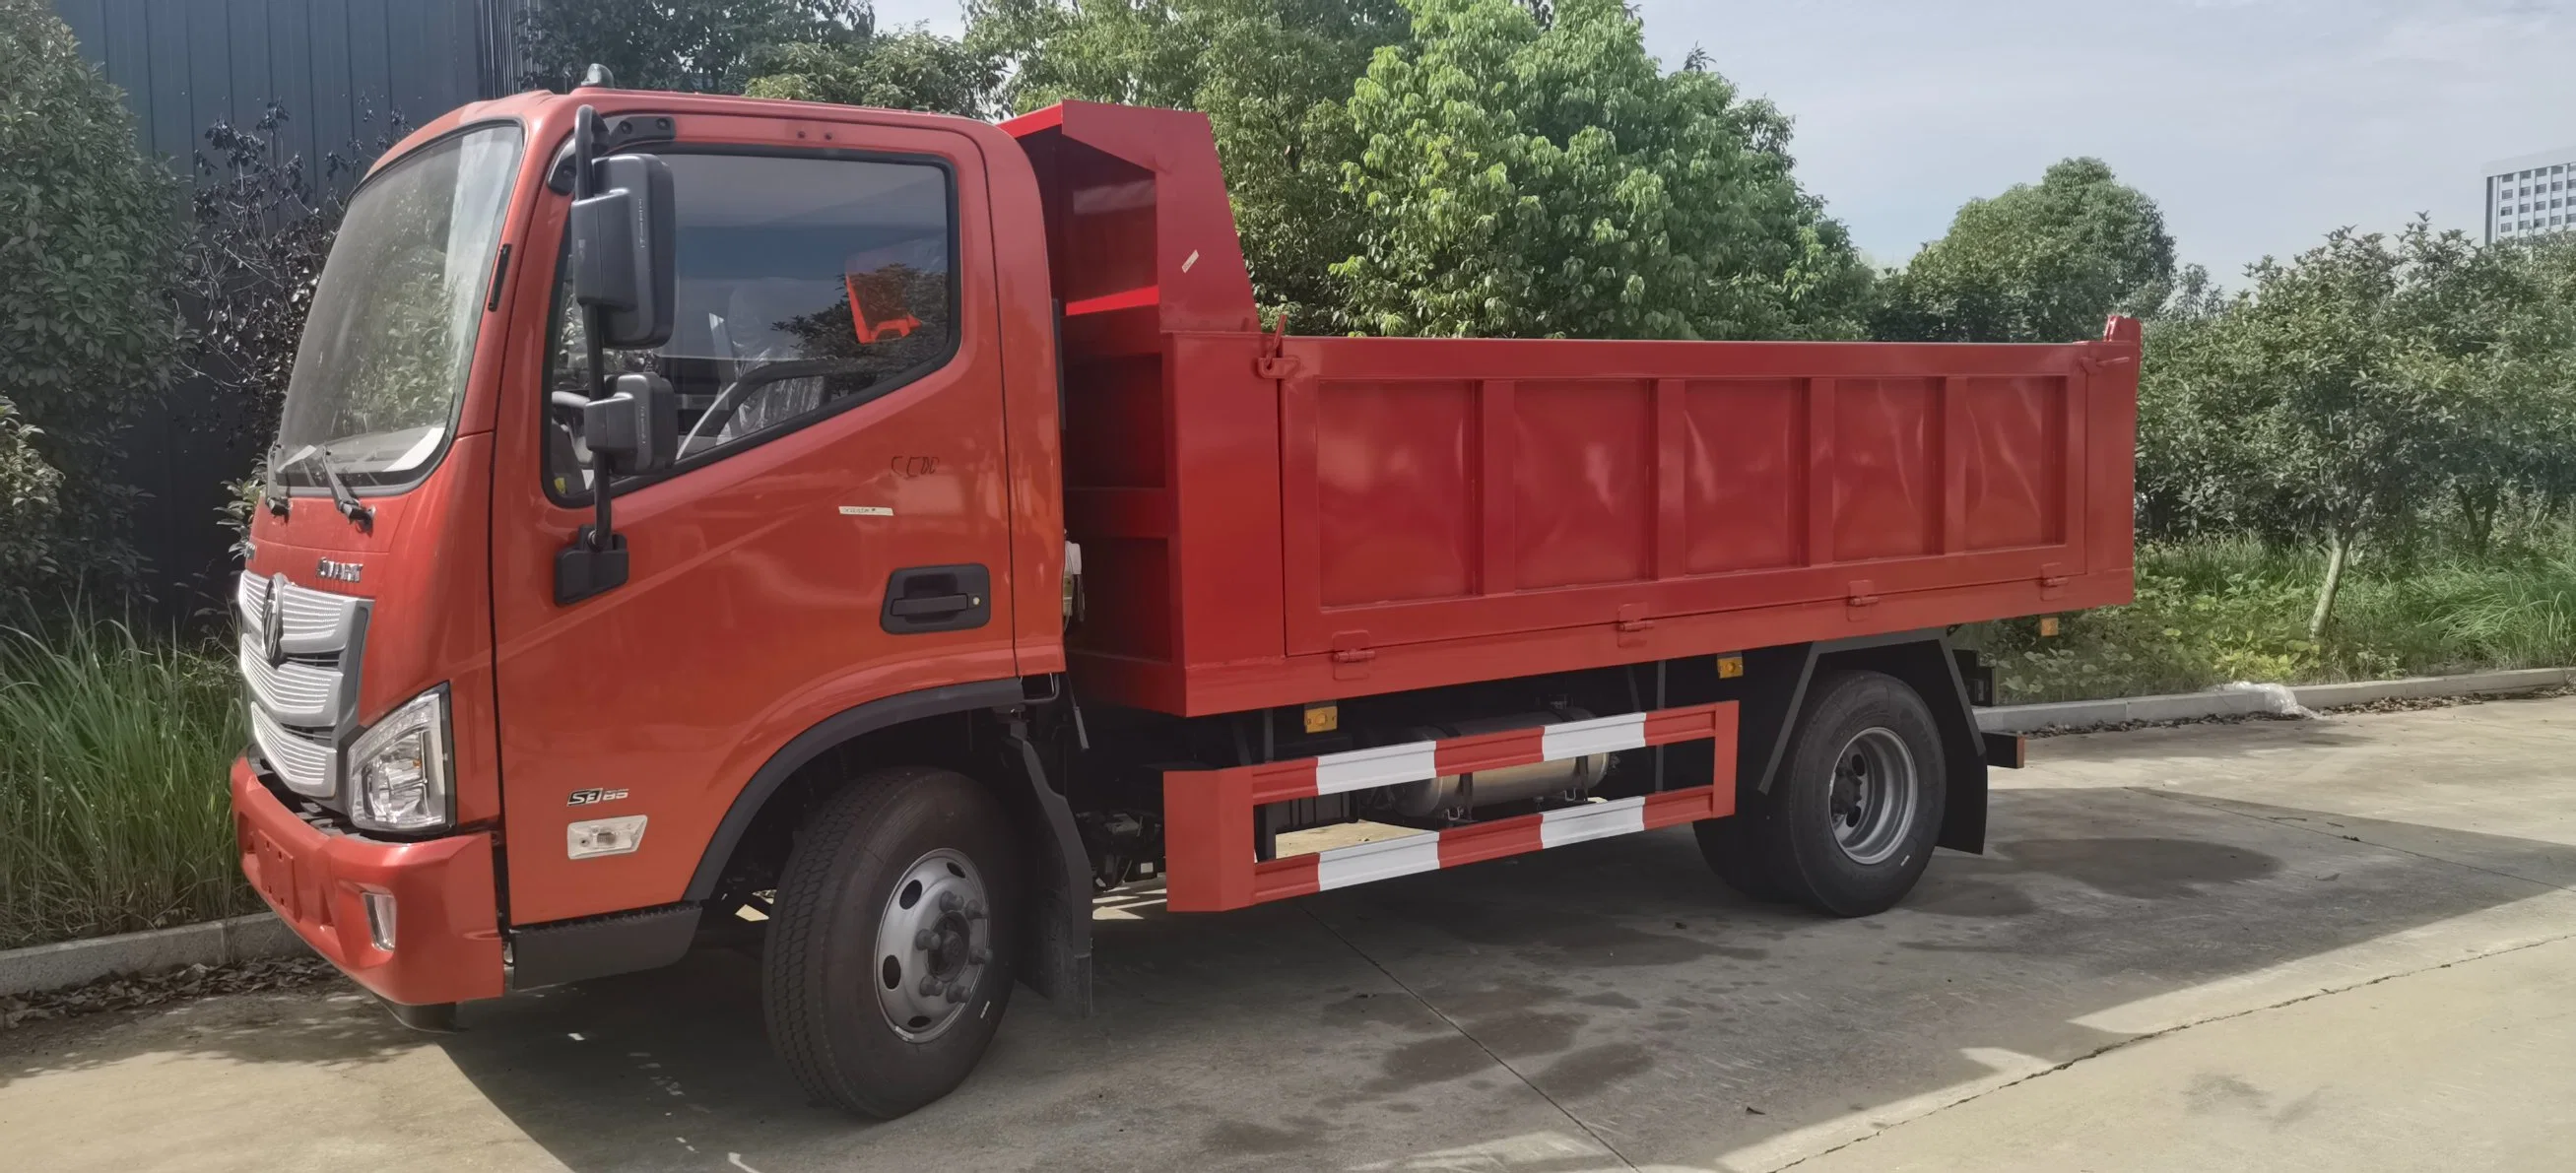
x: 2342, y: 943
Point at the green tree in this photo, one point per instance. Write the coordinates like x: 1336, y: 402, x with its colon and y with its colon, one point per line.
x: 87, y: 233
x: 910, y: 69
x: 1526, y: 177
x: 2327, y: 402
x: 2507, y: 332
x: 697, y: 45
x: 2039, y: 263
x: 1270, y: 75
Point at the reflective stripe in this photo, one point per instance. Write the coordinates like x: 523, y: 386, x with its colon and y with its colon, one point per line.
x: 1386, y: 859
x: 1386, y: 765
x: 1575, y: 739
x: 1593, y: 820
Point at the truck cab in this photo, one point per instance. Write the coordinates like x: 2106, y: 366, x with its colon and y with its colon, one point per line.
x: 869, y: 417
x: 676, y: 534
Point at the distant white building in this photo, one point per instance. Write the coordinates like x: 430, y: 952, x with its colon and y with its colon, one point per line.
x: 2531, y: 195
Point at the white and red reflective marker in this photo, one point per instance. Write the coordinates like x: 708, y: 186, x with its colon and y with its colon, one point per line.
x: 1208, y: 814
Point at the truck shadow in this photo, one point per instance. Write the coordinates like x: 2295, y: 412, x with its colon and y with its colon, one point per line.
x: 1615, y: 981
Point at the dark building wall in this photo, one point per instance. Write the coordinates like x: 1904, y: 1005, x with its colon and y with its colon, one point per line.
x: 341, y: 69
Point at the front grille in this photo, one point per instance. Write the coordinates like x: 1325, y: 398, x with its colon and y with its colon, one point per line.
x: 303, y: 690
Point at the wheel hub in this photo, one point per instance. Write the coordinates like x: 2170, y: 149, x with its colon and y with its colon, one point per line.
x: 933, y: 942
x: 1873, y: 795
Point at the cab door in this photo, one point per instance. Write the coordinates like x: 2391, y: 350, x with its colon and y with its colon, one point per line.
x: 835, y: 529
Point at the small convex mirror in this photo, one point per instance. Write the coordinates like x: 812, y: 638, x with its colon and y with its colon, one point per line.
x: 635, y: 428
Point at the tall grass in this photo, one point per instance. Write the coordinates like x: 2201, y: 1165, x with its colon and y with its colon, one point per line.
x: 113, y: 752
x: 2214, y: 611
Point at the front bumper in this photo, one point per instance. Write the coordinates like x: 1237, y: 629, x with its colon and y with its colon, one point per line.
x: 447, y: 936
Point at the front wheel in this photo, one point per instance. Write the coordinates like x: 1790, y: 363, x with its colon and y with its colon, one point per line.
x: 1848, y: 825
x: 887, y: 965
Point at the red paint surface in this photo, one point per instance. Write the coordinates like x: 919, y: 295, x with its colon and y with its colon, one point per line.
x: 752, y: 609
x: 447, y: 944
x: 1271, y: 521
x: 1265, y: 521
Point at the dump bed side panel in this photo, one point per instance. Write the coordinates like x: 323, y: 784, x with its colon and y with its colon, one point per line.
x: 1448, y: 489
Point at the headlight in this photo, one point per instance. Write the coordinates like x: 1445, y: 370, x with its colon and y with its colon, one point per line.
x: 399, y: 777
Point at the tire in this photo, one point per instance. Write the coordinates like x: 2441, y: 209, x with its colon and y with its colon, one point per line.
x: 837, y: 933
x: 1864, y: 736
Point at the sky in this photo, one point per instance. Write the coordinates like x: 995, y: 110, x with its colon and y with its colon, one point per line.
x: 2258, y: 125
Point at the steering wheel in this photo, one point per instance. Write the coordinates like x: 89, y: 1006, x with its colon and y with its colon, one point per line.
x: 729, y: 400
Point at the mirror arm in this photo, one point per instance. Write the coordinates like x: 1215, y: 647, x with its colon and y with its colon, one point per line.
x: 585, y: 184
x: 596, y: 559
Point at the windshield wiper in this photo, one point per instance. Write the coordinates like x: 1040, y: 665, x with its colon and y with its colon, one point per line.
x: 273, y: 483
x: 347, y: 502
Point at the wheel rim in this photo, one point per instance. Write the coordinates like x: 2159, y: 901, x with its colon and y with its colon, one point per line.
x: 933, y: 943
x: 1873, y: 798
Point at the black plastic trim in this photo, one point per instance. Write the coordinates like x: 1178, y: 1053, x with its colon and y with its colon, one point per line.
x: 597, y: 946
x: 1061, y: 926
x: 882, y: 713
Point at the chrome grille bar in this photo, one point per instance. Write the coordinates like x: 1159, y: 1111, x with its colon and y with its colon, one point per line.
x: 303, y: 694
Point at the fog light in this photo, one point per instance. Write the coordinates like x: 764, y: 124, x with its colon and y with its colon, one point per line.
x: 597, y: 837
x: 380, y: 919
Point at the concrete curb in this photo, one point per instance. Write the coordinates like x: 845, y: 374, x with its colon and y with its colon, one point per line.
x: 2193, y: 706
x: 70, y: 963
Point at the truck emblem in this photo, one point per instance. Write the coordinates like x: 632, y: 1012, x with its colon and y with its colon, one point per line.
x: 341, y: 571
x: 272, y: 620
x: 595, y: 797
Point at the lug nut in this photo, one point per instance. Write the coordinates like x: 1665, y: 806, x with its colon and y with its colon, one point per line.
x: 975, y: 910
x: 980, y: 955
x: 923, y: 940
x: 928, y: 987
x: 956, y: 991
x: 948, y: 901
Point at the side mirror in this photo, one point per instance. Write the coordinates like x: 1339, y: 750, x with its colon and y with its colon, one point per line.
x: 621, y: 251
x: 635, y: 428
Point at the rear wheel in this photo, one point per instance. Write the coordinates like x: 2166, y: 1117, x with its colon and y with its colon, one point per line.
x: 887, y: 965
x: 1848, y: 825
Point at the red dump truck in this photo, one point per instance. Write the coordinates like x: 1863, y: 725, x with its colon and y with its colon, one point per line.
x: 970, y: 549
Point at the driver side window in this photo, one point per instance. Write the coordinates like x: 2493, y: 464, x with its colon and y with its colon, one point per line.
x: 806, y: 286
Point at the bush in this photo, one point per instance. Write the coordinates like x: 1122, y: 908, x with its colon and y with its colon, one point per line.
x: 27, y: 487
x: 2215, y: 611
x: 86, y: 244
x: 113, y: 809
x: 262, y: 228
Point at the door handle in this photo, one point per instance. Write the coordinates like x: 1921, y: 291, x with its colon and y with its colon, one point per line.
x: 929, y: 606
x: 921, y: 599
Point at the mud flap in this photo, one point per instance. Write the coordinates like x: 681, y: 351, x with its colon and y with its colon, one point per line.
x: 1058, y: 947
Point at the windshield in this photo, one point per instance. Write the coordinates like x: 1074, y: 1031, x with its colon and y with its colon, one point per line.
x: 391, y: 332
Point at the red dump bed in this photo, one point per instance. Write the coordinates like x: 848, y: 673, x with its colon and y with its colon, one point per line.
x: 1270, y: 521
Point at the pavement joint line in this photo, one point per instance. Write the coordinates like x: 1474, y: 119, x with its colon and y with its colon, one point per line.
x: 1464, y: 1033
x: 2203, y: 802
x: 2177, y: 1028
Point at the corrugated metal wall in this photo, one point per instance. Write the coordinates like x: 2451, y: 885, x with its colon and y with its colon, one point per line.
x: 341, y: 68
x: 186, y: 63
